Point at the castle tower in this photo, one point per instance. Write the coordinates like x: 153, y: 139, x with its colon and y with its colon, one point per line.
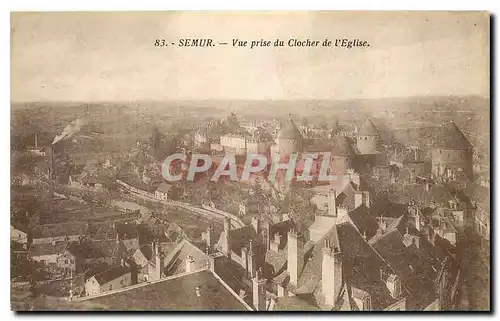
x: 451, y: 152
x: 290, y: 139
x: 368, y: 138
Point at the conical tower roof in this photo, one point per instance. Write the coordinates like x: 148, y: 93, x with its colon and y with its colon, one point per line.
x: 342, y: 147
x: 290, y: 131
x: 368, y: 129
x: 449, y: 136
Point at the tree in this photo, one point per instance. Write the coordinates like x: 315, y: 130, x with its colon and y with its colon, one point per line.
x: 297, y: 204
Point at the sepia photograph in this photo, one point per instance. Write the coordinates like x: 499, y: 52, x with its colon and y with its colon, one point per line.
x: 253, y: 161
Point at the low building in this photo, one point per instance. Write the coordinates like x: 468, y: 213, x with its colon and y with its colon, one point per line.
x: 161, y: 192
x: 201, y: 290
x: 114, y: 278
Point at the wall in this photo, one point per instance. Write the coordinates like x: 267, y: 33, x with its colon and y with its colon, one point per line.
x: 56, y: 239
x: 50, y: 258
x: 288, y: 146
x: 235, y: 142
x: 340, y: 164
x: 92, y: 287
x: 367, y: 144
x: 18, y: 236
x: 453, y: 159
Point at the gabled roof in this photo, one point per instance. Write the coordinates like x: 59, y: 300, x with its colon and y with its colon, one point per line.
x: 173, y: 294
x: 449, y: 136
x: 368, y: 129
x: 176, y: 258
x: 290, y: 131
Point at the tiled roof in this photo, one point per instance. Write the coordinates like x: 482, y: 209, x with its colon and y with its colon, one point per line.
x: 290, y: 131
x: 174, y: 294
x: 449, y: 136
x: 368, y: 129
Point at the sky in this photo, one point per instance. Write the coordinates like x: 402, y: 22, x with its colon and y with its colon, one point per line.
x: 111, y: 56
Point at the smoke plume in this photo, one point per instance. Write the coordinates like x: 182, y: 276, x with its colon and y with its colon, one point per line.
x: 68, y: 131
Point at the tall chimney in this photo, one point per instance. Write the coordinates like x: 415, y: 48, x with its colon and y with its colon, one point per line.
x: 256, y: 225
x: 251, y: 261
x: 331, y: 273
x: 358, y: 199
x: 227, y: 237
x: 210, y: 238
x: 295, y: 256
x: 361, y: 197
x: 332, y: 202
x: 189, y: 263
x: 259, y: 292
x: 36, y: 140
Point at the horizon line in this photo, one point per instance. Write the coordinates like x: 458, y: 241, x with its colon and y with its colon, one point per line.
x: 242, y: 99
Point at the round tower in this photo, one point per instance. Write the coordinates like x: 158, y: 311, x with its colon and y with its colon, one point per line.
x: 368, y: 138
x: 290, y: 139
x: 451, y: 152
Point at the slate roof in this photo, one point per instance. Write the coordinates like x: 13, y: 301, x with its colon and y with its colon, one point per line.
x: 290, y: 131
x: 361, y: 268
x: 173, y: 294
x: 417, y: 267
x: 111, y: 274
x: 368, y: 129
x: 59, y: 229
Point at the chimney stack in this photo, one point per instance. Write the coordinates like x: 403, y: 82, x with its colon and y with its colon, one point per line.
x: 189, y: 263
x: 227, y: 237
x: 295, y: 256
x: 361, y: 197
x: 259, y: 292
x: 332, y: 202
x: 331, y: 272
x: 256, y: 225
x: 251, y: 262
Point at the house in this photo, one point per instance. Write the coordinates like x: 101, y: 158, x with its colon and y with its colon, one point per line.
x: 18, y: 233
x: 161, y: 192
x: 59, y: 232
x: 148, y: 262
x: 47, y: 253
x: 201, y: 290
x: 114, y: 278
x: 85, y: 255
